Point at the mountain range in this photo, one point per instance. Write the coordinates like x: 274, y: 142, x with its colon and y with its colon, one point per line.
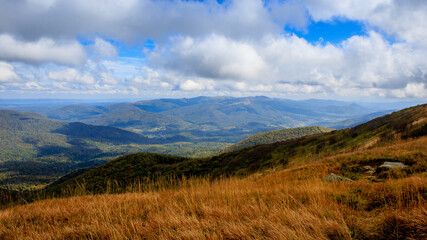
x: 213, y: 118
x: 35, y: 150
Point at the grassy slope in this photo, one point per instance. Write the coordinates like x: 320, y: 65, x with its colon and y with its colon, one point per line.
x: 288, y: 204
x: 124, y: 170
x: 275, y: 136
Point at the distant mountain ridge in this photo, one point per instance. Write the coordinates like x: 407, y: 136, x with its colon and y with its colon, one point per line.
x: 212, y: 116
x: 118, y: 115
x: 352, y: 122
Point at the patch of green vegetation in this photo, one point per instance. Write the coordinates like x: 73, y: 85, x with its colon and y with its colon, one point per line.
x: 36, y: 150
x: 276, y: 136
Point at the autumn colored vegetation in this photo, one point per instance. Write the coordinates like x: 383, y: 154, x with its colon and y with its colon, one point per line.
x: 289, y: 204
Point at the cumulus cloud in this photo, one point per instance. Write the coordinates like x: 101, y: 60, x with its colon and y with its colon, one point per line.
x: 361, y: 62
x: 42, y: 50
x: 405, y: 20
x: 291, y: 13
x: 191, y: 85
x: 202, y: 84
x: 108, y: 78
x: 7, y: 73
x: 212, y: 57
x: 104, y: 49
x: 273, y: 59
x: 34, y: 86
x: 412, y: 90
x: 133, y: 19
x: 71, y: 75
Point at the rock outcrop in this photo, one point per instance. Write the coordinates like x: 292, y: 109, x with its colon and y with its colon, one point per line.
x: 332, y: 177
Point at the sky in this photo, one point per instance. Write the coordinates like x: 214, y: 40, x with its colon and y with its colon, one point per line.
x: 145, y: 49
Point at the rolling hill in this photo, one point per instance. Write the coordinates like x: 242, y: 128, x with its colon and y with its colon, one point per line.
x: 120, y: 115
x: 399, y: 126
x: 36, y: 150
x: 275, y: 136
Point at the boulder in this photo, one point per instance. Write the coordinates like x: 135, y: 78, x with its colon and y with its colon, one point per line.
x: 393, y: 165
x: 332, y: 177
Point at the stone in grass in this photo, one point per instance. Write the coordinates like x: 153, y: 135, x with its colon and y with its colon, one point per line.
x: 393, y: 165
x: 332, y: 177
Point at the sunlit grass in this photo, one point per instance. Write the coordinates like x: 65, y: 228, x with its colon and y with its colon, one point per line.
x: 273, y: 205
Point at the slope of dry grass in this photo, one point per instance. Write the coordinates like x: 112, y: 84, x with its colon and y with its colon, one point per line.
x: 277, y: 205
x: 294, y: 203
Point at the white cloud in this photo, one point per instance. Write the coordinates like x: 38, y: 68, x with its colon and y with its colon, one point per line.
x: 149, y: 79
x: 7, y: 73
x: 42, y: 50
x: 71, y: 75
x: 108, y: 78
x: 34, y: 86
x: 272, y: 59
x: 133, y: 20
x: 213, y: 57
x: 406, y: 20
x: 245, y: 87
x: 199, y: 85
x: 361, y: 63
x: 291, y: 13
x: 191, y: 85
x: 104, y: 49
x: 412, y: 90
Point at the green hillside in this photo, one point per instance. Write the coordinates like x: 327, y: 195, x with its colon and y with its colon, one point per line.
x: 399, y: 126
x: 276, y: 136
x: 35, y: 150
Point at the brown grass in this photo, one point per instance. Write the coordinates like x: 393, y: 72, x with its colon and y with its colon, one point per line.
x: 289, y: 204
x: 260, y: 206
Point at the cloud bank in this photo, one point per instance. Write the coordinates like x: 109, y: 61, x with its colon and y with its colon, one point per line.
x: 239, y: 47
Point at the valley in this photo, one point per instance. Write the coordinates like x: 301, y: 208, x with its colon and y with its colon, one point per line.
x: 38, y: 148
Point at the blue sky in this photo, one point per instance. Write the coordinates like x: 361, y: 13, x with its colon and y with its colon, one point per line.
x: 333, y: 31
x: 298, y: 49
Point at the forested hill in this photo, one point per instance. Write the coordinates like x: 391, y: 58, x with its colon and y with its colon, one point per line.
x: 34, y: 150
x: 276, y: 136
x: 209, y: 117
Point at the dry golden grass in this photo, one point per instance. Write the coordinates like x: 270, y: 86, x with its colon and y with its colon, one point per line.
x: 260, y: 206
x: 289, y: 204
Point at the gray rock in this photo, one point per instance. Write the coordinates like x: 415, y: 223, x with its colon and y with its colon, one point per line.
x: 393, y: 165
x: 332, y: 177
